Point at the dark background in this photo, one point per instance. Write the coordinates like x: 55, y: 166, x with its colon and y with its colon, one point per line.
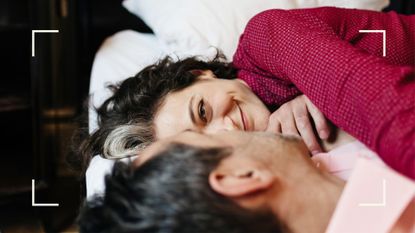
x: 41, y: 99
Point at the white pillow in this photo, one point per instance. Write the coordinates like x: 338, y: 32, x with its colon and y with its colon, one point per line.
x: 122, y: 55
x: 194, y: 27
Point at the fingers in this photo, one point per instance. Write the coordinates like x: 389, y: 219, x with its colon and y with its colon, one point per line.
x: 319, y: 119
x: 293, y: 118
x: 282, y: 121
x: 304, y: 127
x: 274, y: 125
x: 288, y: 126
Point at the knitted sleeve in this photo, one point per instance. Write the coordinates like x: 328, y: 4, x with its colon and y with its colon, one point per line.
x: 321, y: 53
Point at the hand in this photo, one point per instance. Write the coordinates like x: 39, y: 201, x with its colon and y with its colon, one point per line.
x: 293, y: 117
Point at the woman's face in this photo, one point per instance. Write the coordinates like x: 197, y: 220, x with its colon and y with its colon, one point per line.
x: 210, y: 105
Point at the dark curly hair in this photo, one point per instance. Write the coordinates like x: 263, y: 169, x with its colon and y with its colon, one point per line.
x: 125, y: 120
x: 178, y: 199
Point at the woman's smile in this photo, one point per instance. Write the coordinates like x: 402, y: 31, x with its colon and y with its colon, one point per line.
x: 243, y: 119
x: 215, y: 105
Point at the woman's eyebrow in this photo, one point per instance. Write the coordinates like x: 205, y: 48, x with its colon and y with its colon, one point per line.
x: 192, y: 116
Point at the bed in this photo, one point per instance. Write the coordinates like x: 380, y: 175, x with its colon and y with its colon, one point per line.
x: 181, y: 28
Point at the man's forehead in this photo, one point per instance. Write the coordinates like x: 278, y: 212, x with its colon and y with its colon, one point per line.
x: 189, y: 138
x: 242, y: 140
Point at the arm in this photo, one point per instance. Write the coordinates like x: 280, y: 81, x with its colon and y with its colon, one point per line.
x: 370, y: 97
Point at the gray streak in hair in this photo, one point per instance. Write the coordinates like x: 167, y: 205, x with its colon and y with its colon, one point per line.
x: 119, y: 142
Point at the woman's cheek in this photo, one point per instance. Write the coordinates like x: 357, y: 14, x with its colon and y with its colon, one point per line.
x: 262, y: 121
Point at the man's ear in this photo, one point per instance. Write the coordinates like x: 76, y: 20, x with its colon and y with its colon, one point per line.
x: 240, y: 181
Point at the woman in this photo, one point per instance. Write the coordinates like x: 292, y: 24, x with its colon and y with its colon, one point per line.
x: 170, y: 97
x: 278, y: 49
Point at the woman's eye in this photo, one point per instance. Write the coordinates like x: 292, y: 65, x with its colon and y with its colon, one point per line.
x: 202, y: 111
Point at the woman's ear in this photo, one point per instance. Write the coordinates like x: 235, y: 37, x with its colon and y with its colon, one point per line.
x: 243, y: 82
x: 206, y: 74
x: 240, y: 181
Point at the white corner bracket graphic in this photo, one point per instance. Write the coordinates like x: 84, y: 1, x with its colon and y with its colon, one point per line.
x: 383, y: 36
x: 381, y: 204
x: 40, y: 204
x: 39, y: 31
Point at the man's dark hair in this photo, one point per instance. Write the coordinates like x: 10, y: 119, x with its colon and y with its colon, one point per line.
x: 170, y: 193
x: 125, y: 120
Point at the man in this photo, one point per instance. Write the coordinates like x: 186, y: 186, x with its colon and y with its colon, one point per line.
x: 230, y: 181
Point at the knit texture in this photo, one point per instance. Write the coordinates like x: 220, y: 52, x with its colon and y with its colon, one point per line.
x: 321, y: 53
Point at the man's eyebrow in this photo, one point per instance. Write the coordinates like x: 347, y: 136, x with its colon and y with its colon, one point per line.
x: 192, y: 116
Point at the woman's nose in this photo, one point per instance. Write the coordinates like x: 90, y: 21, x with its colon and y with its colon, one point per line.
x: 223, y: 105
x: 224, y: 114
x: 224, y: 124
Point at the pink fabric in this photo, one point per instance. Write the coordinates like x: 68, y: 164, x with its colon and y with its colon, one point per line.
x: 342, y: 160
x: 374, y: 200
x: 364, y: 172
x: 320, y: 52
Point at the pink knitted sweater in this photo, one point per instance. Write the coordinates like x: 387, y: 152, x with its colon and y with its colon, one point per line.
x: 321, y: 53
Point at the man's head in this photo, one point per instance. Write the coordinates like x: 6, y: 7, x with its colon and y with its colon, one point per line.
x: 171, y: 193
x: 226, y: 182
